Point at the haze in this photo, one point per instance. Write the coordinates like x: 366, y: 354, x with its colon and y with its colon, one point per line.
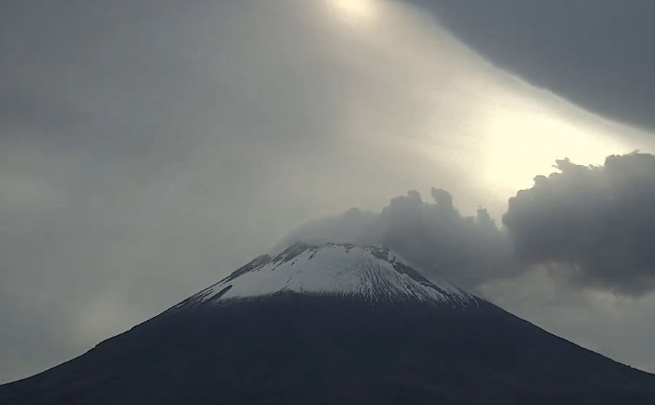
x: 149, y: 148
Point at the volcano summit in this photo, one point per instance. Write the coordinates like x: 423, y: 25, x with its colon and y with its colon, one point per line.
x: 334, y: 324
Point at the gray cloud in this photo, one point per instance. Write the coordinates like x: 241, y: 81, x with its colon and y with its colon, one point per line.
x: 466, y: 250
x: 149, y: 148
x: 596, y: 53
x: 591, y: 225
x: 595, y: 223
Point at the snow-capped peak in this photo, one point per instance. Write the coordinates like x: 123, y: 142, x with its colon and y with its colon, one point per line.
x: 374, y: 274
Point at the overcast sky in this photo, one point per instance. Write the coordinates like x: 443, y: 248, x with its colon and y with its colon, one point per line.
x: 148, y: 148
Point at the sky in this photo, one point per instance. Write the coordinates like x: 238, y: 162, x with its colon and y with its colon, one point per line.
x: 148, y: 149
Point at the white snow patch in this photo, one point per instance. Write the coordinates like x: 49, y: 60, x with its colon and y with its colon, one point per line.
x: 373, y: 273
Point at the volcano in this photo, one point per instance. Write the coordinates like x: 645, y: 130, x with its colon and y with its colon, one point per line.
x: 334, y: 324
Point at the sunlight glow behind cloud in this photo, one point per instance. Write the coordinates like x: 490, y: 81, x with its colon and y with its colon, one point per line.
x: 497, y: 130
x: 521, y: 142
x: 355, y: 12
x: 456, y: 120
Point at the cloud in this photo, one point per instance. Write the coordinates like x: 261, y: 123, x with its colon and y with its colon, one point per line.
x: 466, y: 250
x: 590, y: 225
x: 595, y: 224
x: 592, y: 52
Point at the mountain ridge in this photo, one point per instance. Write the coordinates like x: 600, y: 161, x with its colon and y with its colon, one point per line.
x: 375, y: 272
x: 317, y: 346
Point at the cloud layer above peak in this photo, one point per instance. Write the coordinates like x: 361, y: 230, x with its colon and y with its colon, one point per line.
x: 432, y: 235
x: 592, y: 226
x: 596, y: 223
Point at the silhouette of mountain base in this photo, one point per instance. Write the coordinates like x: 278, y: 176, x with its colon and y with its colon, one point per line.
x: 310, y: 349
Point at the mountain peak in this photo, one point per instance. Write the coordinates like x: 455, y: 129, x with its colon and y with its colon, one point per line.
x: 371, y: 273
x: 305, y: 326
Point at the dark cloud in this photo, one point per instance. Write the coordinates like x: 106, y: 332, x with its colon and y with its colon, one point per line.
x: 596, y: 53
x: 592, y: 224
x: 466, y: 250
x: 596, y: 224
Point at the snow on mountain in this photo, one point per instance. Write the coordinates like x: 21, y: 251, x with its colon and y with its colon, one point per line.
x: 372, y: 273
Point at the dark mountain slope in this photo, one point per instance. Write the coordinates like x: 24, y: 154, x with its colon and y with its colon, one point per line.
x: 328, y: 348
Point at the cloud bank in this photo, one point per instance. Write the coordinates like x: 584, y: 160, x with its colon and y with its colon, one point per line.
x: 595, y: 223
x: 592, y: 225
x: 467, y: 250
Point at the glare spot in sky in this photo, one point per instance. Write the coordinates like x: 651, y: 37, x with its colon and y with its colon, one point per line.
x: 446, y: 104
x: 354, y: 12
x: 522, y: 142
